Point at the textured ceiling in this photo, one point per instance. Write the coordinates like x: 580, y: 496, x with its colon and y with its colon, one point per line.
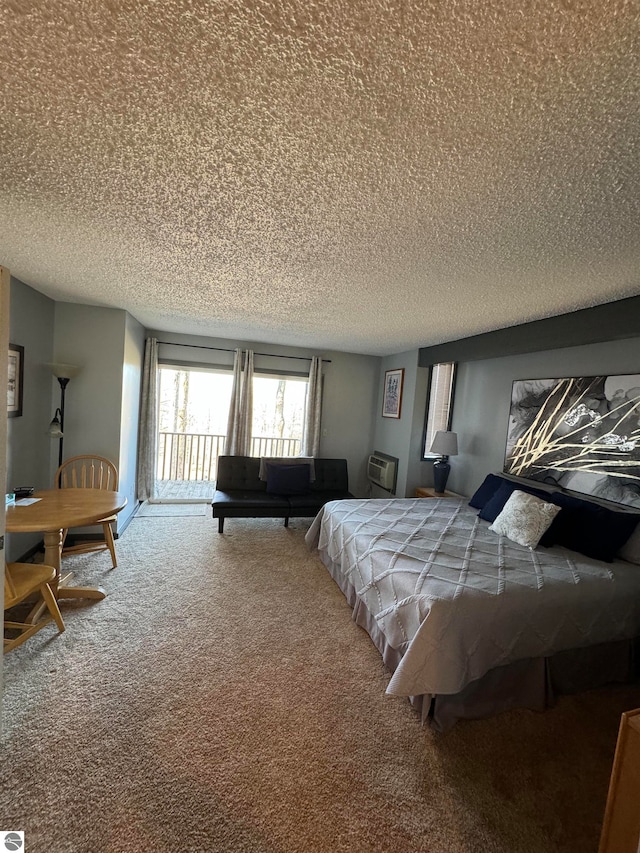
x: 364, y: 176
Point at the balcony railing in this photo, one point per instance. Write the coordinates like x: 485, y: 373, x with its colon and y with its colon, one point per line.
x: 194, y: 456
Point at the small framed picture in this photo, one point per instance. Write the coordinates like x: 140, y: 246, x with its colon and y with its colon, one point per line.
x: 15, y: 381
x: 392, y: 396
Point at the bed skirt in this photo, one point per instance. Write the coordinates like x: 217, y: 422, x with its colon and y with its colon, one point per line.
x: 534, y: 683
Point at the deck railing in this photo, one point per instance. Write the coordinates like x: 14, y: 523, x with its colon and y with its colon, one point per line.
x: 194, y: 456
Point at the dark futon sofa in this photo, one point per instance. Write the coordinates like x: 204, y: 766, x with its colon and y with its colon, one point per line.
x: 240, y: 493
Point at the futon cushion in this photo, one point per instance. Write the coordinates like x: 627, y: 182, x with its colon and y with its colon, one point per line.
x: 237, y: 499
x: 316, y: 499
x: 487, y: 490
x: 494, y: 506
x: 588, y: 528
x: 288, y: 479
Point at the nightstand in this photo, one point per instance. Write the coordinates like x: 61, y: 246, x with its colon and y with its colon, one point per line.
x: 429, y: 492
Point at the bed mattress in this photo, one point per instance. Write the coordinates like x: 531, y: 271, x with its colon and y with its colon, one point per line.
x: 457, y: 600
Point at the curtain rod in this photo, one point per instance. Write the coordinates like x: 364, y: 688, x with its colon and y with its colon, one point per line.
x: 226, y: 349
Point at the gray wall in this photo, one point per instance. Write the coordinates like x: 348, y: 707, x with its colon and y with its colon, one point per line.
x: 28, y: 446
x: 394, y: 436
x: 133, y: 357
x: 93, y: 339
x: 347, y: 413
x: 420, y: 473
x: 483, y: 396
x: 403, y: 437
x: 102, y: 402
x: 349, y: 390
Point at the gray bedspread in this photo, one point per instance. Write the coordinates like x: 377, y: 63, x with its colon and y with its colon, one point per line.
x: 457, y: 600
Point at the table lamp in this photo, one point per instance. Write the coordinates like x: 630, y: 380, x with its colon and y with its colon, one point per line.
x: 445, y: 444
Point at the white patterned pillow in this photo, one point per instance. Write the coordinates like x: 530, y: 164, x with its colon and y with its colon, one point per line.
x: 524, y: 518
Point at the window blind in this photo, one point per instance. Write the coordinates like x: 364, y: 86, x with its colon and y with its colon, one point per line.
x: 440, y: 398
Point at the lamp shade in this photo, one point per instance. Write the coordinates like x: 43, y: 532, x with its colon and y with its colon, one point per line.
x: 64, y: 371
x: 445, y: 443
x: 55, y: 427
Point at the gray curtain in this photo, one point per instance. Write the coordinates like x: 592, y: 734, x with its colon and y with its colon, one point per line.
x: 148, y: 436
x: 238, y: 440
x: 312, y: 415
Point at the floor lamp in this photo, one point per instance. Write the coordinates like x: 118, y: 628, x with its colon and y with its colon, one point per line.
x: 63, y: 373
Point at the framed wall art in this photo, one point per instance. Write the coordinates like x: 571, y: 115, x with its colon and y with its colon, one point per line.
x: 392, y: 393
x: 15, y: 381
x: 579, y: 433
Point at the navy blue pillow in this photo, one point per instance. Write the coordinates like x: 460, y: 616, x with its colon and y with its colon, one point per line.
x: 494, y: 506
x: 588, y: 528
x: 486, y: 490
x: 288, y: 479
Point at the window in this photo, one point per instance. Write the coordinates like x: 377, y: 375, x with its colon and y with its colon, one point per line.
x: 278, y: 414
x: 439, y: 403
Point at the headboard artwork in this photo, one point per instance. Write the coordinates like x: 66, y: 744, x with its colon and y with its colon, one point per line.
x: 581, y: 434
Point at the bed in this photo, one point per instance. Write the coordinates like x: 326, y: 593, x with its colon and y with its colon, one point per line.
x: 469, y: 622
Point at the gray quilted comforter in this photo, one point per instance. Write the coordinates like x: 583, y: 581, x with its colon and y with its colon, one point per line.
x: 456, y: 599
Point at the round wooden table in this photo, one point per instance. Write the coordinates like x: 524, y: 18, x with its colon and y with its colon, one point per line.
x: 55, y: 511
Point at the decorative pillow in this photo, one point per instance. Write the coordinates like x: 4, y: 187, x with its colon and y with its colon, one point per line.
x: 288, y: 479
x: 589, y: 528
x: 524, y: 518
x: 286, y: 460
x: 494, y: 506
x: 630, y: 551
x: 487, y: 489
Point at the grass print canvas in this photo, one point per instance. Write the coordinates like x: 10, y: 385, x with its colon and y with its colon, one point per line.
x: 582, y: 434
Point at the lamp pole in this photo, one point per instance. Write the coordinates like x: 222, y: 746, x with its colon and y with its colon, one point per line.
x: 63, y: 373
x: 64, y: 381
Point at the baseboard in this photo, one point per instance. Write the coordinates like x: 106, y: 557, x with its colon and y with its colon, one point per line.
x: 73, y: 538
x: 132, y: 515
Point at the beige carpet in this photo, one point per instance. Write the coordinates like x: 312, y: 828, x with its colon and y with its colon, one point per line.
x: 221, y: 699
x: 172, y: 510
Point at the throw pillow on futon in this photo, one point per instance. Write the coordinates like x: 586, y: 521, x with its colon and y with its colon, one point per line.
x: 288, y: 479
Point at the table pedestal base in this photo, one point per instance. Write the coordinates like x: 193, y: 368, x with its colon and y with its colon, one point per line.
x: 64, y: 591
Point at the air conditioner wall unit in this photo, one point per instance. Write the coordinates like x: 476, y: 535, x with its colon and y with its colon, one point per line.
x: 382, y: 470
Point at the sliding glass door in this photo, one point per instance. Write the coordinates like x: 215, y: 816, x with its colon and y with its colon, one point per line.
x: 193, y: 406
x: 192, y: 425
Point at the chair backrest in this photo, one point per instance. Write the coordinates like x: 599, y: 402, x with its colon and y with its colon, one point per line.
x: 87, y: 472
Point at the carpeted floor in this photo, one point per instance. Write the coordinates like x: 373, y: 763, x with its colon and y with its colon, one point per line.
x: 172, y: 510
x: 221, y: 699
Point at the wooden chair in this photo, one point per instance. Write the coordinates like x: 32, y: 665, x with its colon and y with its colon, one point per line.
x: 90, y: 472
x: 20, y: 581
